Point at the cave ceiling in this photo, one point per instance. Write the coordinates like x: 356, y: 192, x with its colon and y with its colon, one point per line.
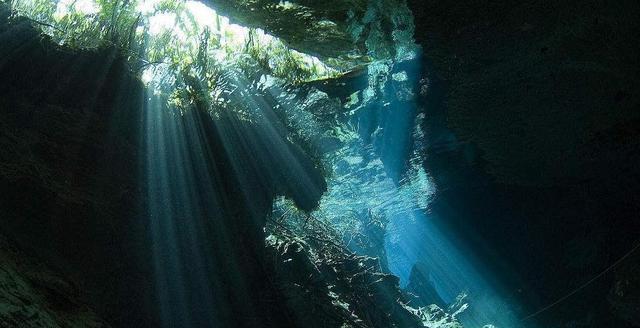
x: 321, y: 28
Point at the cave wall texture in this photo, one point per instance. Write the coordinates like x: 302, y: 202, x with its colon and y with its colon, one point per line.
x: 533, y: 121
x: 68, y: 194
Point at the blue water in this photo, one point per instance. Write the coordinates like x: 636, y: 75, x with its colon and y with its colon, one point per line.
x: 377, y: 166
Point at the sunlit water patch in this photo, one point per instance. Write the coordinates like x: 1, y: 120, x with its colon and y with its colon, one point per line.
x: 362, y: 194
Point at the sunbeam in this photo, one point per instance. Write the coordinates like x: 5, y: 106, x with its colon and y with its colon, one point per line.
x: 317, y: 164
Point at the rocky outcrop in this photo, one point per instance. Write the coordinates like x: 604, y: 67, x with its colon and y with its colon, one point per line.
x: 336, y: 289
x: 344, y: 32
x: 318, y: 28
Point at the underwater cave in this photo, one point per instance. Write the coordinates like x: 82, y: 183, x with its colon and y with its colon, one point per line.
x: 319, y: 164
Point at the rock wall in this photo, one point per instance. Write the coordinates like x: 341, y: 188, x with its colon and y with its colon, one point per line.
x: 533, y: 125
x: 68, y: 135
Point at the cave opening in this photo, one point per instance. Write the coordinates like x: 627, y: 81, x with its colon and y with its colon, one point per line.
x: 180, y: 163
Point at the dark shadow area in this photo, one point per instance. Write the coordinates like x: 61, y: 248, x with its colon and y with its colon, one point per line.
x: 534, y: 126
